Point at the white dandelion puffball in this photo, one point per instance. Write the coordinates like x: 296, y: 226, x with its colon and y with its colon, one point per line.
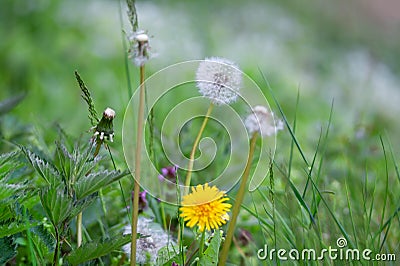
x: 262, y: 120
x: 154, y: 238
x: 219, y: 80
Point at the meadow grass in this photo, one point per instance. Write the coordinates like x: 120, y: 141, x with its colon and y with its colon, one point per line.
x: 327, y: 179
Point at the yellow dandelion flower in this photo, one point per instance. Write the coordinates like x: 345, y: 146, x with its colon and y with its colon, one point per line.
x: 206, y: 207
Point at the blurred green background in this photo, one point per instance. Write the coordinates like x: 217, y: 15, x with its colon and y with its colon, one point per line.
x: 341, y: 50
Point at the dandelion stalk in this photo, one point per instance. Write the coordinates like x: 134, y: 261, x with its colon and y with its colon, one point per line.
x: 201, y: 246
x: 193, y: 152
x: 238, y: 203
x: 135, y: 209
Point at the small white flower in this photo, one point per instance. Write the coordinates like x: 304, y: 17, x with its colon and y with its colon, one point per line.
x: 262, y: 120
x: 219, y: 80
x: 154, y: 238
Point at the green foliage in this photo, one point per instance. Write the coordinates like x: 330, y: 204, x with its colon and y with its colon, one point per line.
x: 56, y: 203
x: 13, y: 228
x: 210, y: 256
x: 95, y: 181
x: 8, y: 249
x: 96, y: 249
x: 88, y: 99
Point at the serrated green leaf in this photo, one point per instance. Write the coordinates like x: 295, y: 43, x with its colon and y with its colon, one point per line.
x: 8, y: 190
x: 45, y: 169
x: 95, y: 181
x: 96, y: 249
x: 210, y: 255
x: 56, y: 203
x: 5, y: 157
x: 13, y: 228
x: 45, y: 236
x: 80, y: 205
x: 8, y: 249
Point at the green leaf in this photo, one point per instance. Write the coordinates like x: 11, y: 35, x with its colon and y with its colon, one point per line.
x: 80, y: 205
x: 45, y: 236
x: 5, y: 157
x: 56, y: 203
x: 95, y: 181
x: 13, y: 228
x: 96, y: 249
x: 45, y: 169
x: 8, y: 249
x: 169, y: 254
x: 9, y: 190
x: 210, y: 255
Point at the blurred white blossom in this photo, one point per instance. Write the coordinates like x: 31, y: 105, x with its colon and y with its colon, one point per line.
x: 262, y: 120
x: 154, y: 238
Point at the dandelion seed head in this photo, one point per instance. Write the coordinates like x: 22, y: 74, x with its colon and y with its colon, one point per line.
x: 219, y: 79
x: 262, y: 120
x: 205, y: 207
x: 139, y: 50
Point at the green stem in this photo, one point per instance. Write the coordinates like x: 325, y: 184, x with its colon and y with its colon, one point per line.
x: 56, y: 250
x: 238, y: 203
x: 193, y: 152
x: 201, y: 246
x: 136, y: 188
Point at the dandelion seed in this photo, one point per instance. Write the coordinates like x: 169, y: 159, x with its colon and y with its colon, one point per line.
x: 154, y: 239
x: 262, y: 120
x: 219, y: 80
x: 205, y: 207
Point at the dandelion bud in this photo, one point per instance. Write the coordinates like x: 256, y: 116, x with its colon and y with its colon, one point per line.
x: 219, y: 80
x: 104, y: 129
x: 262, y: 120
